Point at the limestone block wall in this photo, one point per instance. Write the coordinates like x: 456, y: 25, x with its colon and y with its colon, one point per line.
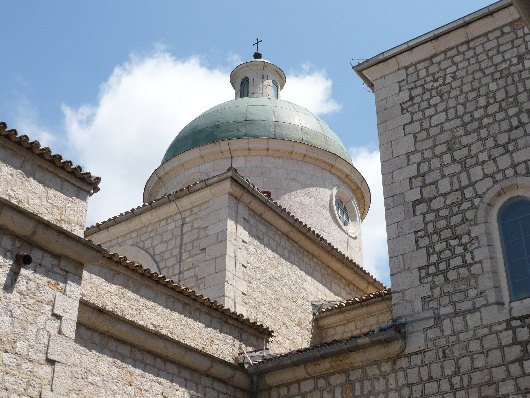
x: 467, y: 359
x: 453, y: 127
x: 41, y: 188
x: 349, y: 321
x: 304, y: 189
x: 130, y: 296
x: 273, y: 279
x: 192, y: 241
x: 135, y: 373
x: 38, y: 312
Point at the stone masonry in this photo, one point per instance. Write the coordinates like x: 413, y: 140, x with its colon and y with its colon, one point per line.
x: 453, y: 126
x: 38, y: 313
x: 228, y: 253
x: 453, y: 121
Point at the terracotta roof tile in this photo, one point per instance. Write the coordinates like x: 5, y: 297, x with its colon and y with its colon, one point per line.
x: 46, y: 153
x: 275, y: 357
x: 357, y: 300
x: 123, y: 261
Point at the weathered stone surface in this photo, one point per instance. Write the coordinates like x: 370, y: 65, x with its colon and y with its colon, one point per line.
x: 37, y: 186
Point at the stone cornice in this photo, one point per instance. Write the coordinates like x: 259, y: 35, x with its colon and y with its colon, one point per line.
x: 328, y: 358
x: 261, y: 146
x: 436, y: 41
x: 158, y: 344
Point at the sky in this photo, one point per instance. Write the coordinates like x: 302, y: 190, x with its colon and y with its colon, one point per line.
x: 109, y: 84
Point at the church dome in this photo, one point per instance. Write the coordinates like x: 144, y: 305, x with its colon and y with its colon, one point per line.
x: 257, y: 117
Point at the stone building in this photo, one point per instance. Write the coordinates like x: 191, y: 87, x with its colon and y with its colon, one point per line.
x: 241, y: 274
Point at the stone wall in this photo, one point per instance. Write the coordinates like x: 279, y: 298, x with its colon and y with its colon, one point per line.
x: 42, y: 188
x: 106, y: 367
x: 453, y: 128
x: 352, y: 320
x: 463, y: 361
x: 246, y: 274
x: 273, y: 279
x: 38, y: 312
x: 191, y: 240
x: 304, y: 189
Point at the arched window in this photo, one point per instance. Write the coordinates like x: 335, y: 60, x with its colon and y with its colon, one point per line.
x: 342, y: 212
x: 243, y: 91
x: 274, y: 89
x: 514, y: 230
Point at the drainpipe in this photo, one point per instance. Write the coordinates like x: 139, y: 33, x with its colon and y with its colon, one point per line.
x: 22, y: 258
x: 255, y: 386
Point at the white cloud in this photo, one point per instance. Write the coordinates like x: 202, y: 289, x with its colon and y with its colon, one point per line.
x: 312, y: 90
x: 141, y: 108
x: 373, y: 228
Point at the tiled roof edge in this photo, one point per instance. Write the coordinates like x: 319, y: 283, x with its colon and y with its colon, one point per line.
x: 385, y: 293
x: 309, y: 232
x: 70, y: 241
x: 46, y: 154
x: 382, y: 334
x: 161, y: 279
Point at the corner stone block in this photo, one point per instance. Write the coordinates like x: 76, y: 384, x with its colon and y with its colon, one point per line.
x: 415, y: 259
x: 60, y: 349
x: 65, y: 307
x: 68, y: 327
x: 403, y: 145
x: 406, y: 172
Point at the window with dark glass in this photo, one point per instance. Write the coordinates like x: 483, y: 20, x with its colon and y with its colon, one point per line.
x: 243, y: 91
x: 274, y: 89
x: 342, y: 211
x: 514, y: 228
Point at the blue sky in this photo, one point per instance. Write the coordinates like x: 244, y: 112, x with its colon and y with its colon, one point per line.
x: 99, y: 79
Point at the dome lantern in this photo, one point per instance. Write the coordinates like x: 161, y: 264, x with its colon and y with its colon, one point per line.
x: 257, y: 78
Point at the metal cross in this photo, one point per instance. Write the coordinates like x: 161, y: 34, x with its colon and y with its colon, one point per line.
x: 257, y: 44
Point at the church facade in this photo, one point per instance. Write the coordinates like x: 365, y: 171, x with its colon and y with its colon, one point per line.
x: 241, y: 274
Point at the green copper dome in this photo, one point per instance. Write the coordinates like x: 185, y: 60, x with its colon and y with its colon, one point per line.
x: 257, y: 118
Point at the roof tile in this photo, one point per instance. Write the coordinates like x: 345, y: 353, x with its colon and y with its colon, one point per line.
x: 46, y: 153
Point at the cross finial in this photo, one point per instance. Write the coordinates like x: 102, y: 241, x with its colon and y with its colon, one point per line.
x: 257, y: 54
x: 257, y: 44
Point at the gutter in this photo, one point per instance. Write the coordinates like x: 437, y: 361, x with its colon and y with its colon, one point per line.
x: 433, y: 34
x: 382, y: 336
